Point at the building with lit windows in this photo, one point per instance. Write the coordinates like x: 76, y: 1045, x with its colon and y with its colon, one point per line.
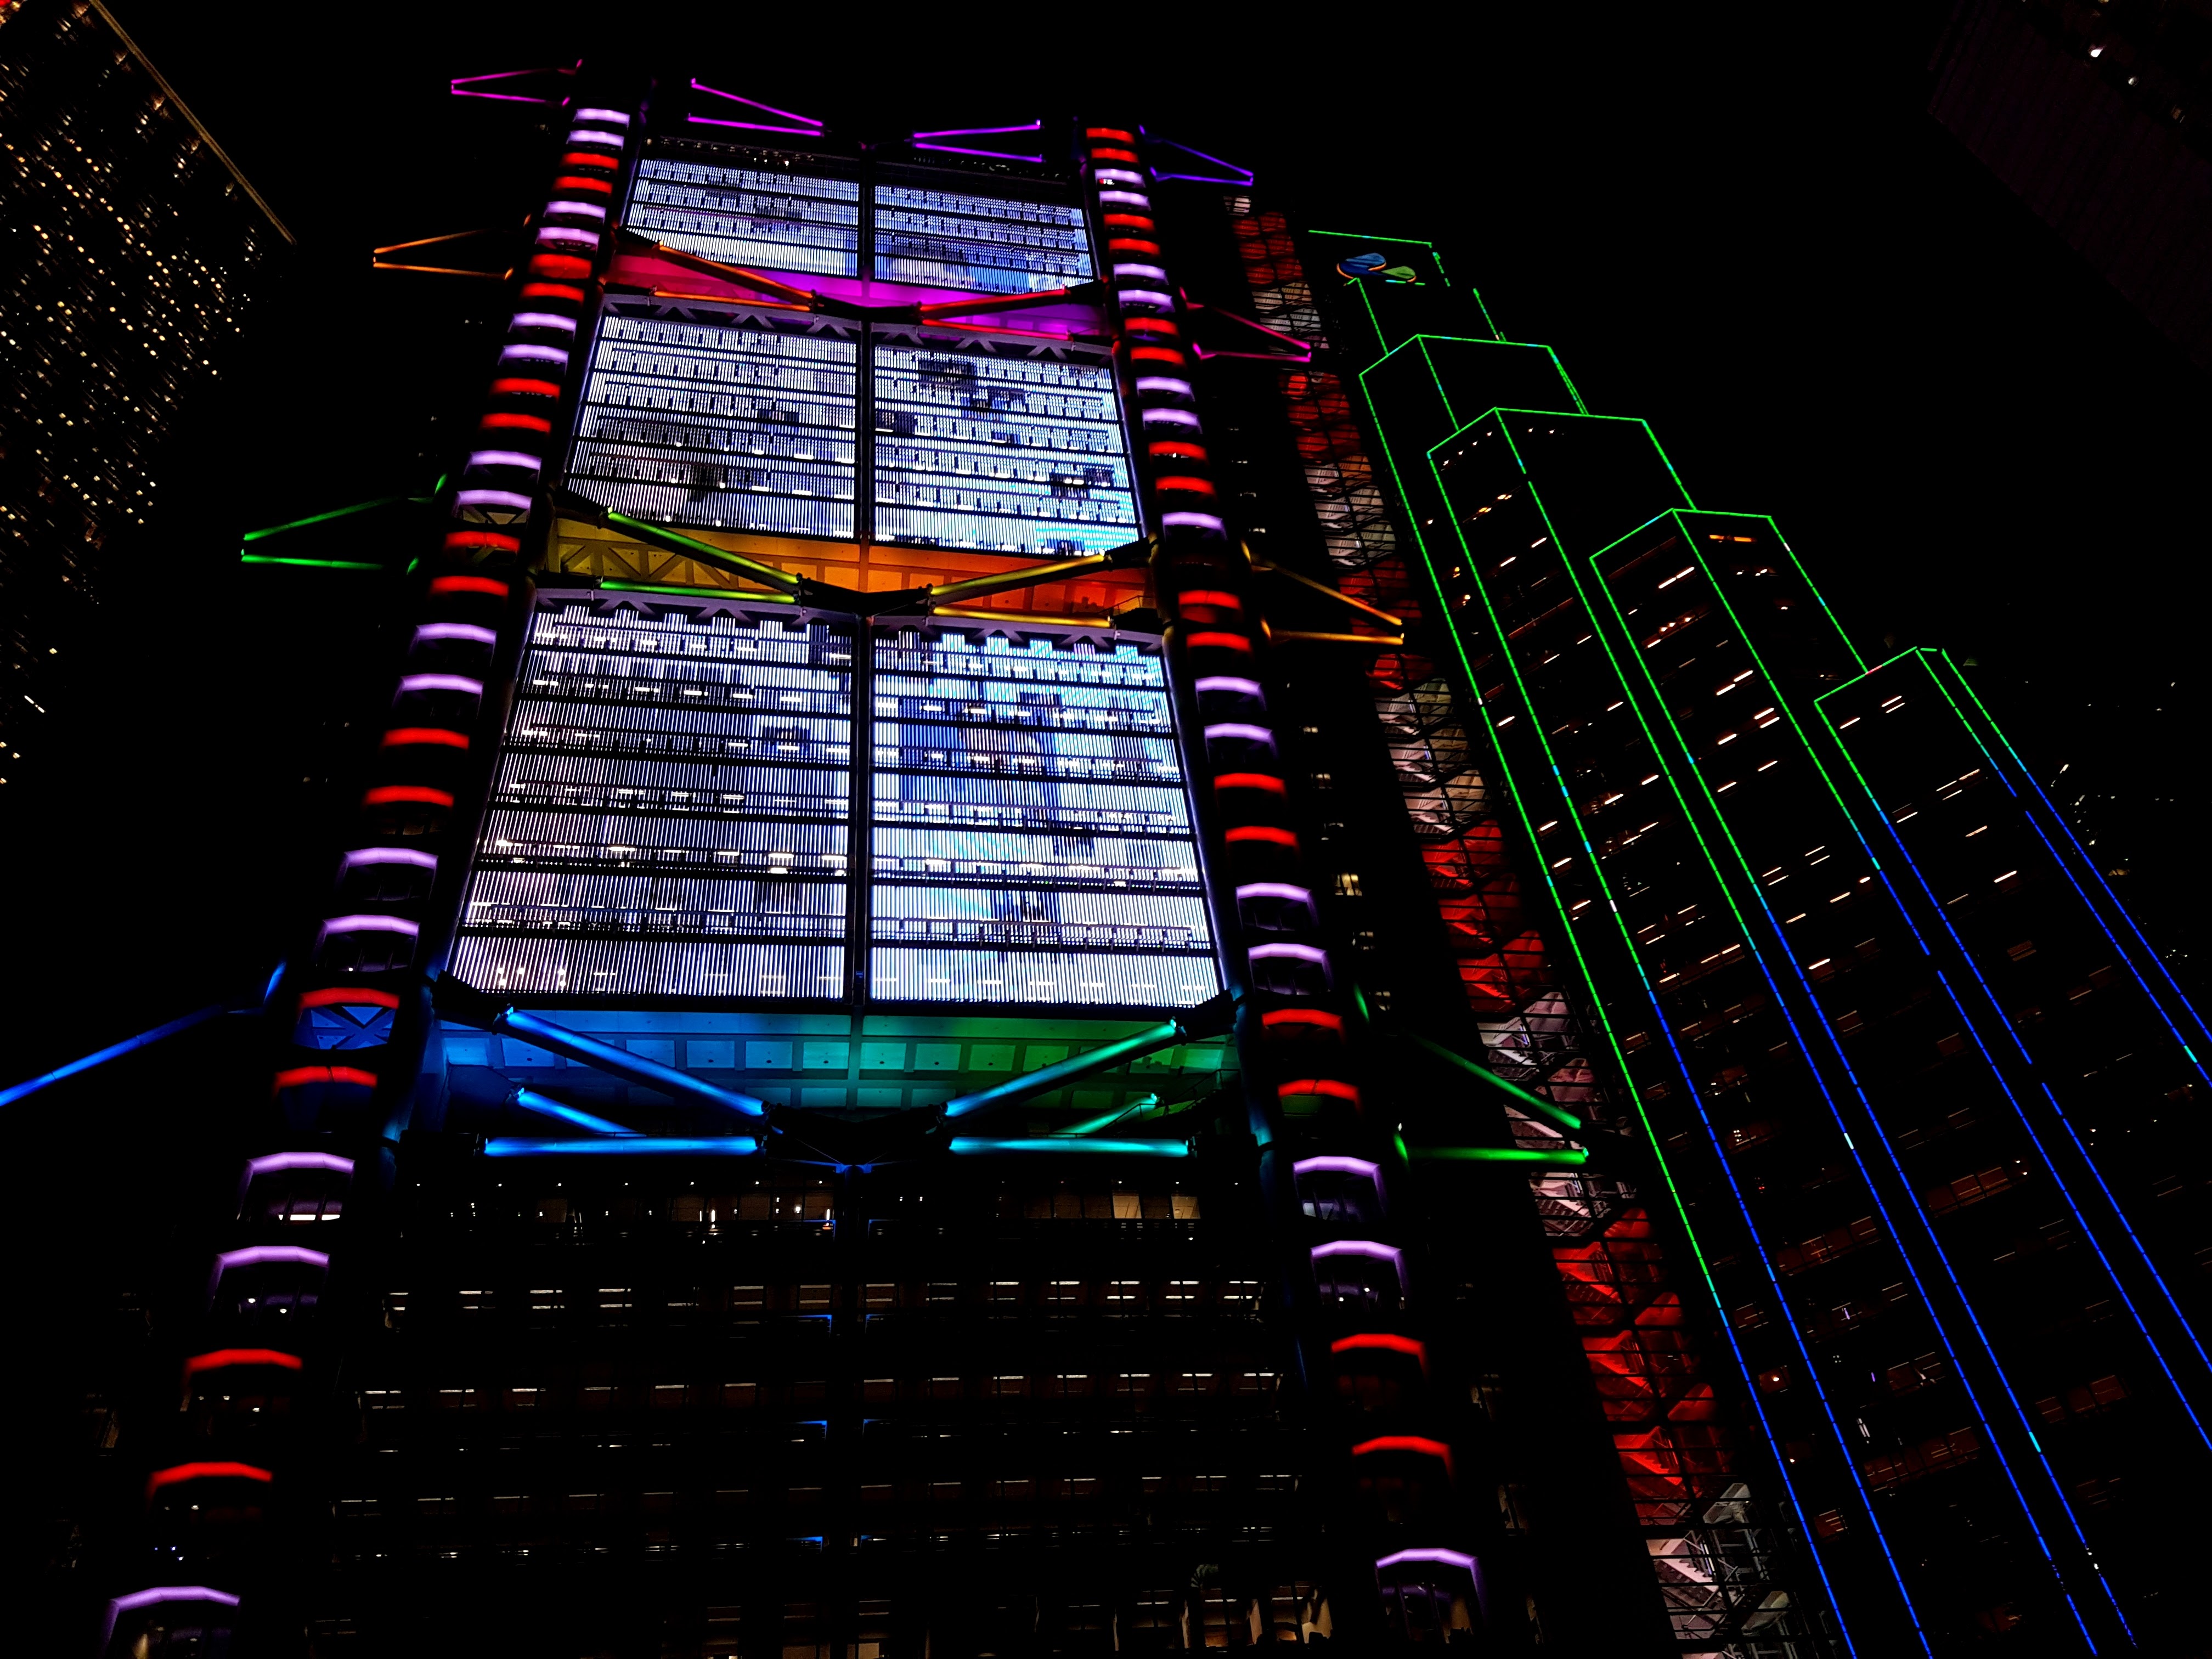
x: 1081, y: 928
x: 131, y: 247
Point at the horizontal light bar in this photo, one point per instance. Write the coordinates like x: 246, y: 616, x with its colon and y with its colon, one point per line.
x: 1567, y: 1157
x: 1335, y: 1165
x: 274, y: 1162
x: 468, y: 631
x: 613, y: 115
x: 441, y: 682
x: 541, y: 319
x: 361, y: 855
x: 975, y: 1146
x: 530, y: 1101
x: 1444, y: 1558
x: 634, y: 1146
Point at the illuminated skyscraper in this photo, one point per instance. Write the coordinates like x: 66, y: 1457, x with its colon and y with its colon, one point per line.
x: 130, y: 248
x: 1381, y: 1037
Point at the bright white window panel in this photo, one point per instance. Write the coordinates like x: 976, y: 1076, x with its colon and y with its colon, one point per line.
x: 577, y: 967
x: 750, y: 215
x: 945, y: 239
x: 1132, y: 979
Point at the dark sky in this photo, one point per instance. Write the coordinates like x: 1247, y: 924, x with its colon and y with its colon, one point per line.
x: 1737, y: 223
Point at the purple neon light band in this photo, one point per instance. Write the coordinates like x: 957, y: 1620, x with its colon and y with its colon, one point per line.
x: 1228, y: 683
x: 1172, y: 417
x: 468, y: 631
x: 988, y: 154
x: 623, y: 120
x: 739, y: 98
x: 147, y: 1598
x: 1238, y: 729
x: 459, y: 91
x: 1368, y: 1248
x: 754, y: 126
x: 390, y: 855
x: 257, y: 1255
x: 586, y: 135
x: 366, y: 924
x: 1334, y: 1164
x: 552, y: 233
x: 980, y: 132
x: 441, y: 682
x: 1164, y: 383
x: 504, y: 457
x: 541, y: 319
x: 278, y: 1161
x: 1190, y: 521
x: 1281, y: 890
x: 1444, y: 1557
x: 1153, y: 272
x: 1125, y: 198
x: 536, y: 354
x: 1244, y: 175
x: 1118, y: 176
x: 493, y: 498
x: 1145, y: 296
x: 590, y: 210
x: 1312, y: 953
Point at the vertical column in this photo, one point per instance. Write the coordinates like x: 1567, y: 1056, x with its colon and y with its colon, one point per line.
x: 350, y: 1011
x: 1330, y: 1157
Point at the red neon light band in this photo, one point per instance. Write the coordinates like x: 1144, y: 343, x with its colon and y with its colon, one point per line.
x: 1221, y: 641
x: 402, y: 737
x: 1195, y: 486
x: 1160, y: 355
x: 1149, y: 325
x: 222, y: 1357
x: 499, y: 419
x: 577, y: 158
x: 170, y: 1476
x: 1326, y: 1086
x: 1382, y: 1340
x: 1258, y: 781
x: 603, y: 186
x: 1109, y: 132
x: 471, y: 584
x: 1173, y: 447
x: 1129, y: 221
x: 394, y: 794
x: 525, y: 389
x: 559, y: 265
x: 1130, y: 244
x: 300, y: 1075
x: 552, y: 291
x: 491, y: 538
x: 1266, y: 832
x: 1210, y: 596
x: 1303, y: 1015
x: 1100, y: 154
x: 1407, y: 1443
x: 335, y: 995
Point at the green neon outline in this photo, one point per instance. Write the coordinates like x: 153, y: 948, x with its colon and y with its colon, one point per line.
x: 684, y: 592
x: 312, y: 564
x: 252, y: 536
x: 1566, y: 1159
x: 1559, y: 1115
x: 1361, y: 236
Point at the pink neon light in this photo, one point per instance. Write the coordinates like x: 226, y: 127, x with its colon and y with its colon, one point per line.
x: 388, y: 855
x: 988, y: 154
x: 1190, y: 521
x: 159, y: 1593
x: 1312, y: 953
x: 442, y: 682
x: 1227, y: 682
x: 1281, y: 890
x: 613, y: 115
x: 978, y: 132
x: 1368, y: 1248
x: 1335, y: 1165
x: 468, y: 631
x: 754, y: 103
x: 1447, y: 1557
x: 276, y: 1163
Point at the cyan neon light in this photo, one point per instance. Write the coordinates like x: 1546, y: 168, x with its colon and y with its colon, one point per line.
x: 113, y: 1051
x: 530, y: 1101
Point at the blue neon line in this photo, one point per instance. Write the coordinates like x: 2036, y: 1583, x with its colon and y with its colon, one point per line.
x: 530, y: 1101
x: 1882, y: 1135
x: 114, y: 1051
x: 1782, y: 1463
x: 2088, y: 1159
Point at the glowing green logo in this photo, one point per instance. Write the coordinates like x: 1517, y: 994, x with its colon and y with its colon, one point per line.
x: 1376, y: 267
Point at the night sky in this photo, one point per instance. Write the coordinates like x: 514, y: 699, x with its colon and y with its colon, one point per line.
x: 1741, y: 226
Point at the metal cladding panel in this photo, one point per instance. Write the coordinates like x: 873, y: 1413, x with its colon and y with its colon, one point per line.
x: 720, y: 425
x: 1011, y: 454
x: 1031, y: 839
x: 947, y: 239
x: 670, y: 814
x: 750, y: 215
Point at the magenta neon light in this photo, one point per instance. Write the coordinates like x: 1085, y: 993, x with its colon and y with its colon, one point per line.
x: 586, y: 135
x: 1244, y: 175
x: 493, y: 498
x: 390, y: 855
x: 1164, y: 385
x: 1368, y: 1248
x: 441, y: 682
x: 1281, y: 890
x: 147, y: 1598
x: 1444, y: 1558
x: 468, y: 631
x: 278, y: 1161
x: 988, y: 154
x: 1228, y: 683
x: 979, y: 133
x: 371, y: 925
x: 1233, y: 729
x: 1334, y: 1164
x: 1118, y: 176
x: 539, y: 354
x: 541, y: 319
x: 504, y: 457
x: 568, y: 233
x: 1172, y: 417
x: 1150, y: 272
x: 754, y: 126
x: 590, y: 210
x: 259, y: 1256
x: 1312, y: 953
x: 623, y: 120
x: 754, y: 103
x: 1125, y: 198
x: 1190, y: 521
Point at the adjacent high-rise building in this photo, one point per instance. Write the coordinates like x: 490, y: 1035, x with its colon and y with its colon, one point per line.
x: 1081, y: 927
x: 129, y: 250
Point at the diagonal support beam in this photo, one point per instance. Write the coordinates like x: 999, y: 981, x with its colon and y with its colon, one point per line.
x: 1209, y: 1018
x: 916, y: 599
x: 1520, y: 1095
x: 1341, y: 597
x: 824, y: 595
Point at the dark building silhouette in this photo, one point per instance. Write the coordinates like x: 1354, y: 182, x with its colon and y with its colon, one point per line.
x: 131, y: 248
x: 1383, y: 1036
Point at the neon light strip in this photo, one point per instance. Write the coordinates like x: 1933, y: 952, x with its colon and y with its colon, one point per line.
x: 1243, y: 688
x: 147, y: 1598
x: 371, y: 924
x: 976, y: 1146
x: 273, y: 1163
x: 1444, y: 1558
x: 626, y: 1145
x: 1358, y: 1166
x: 530, y: 1101
x: 221, y: 1358
x: 324, y: 518
x: 988, y: 154
x: 1520, y: 798
x: 754, y: 103
x: 541, y: 319
x: 361, y: 855
x: 613, y: 115
x: 1312, y: 953
x: 113, y: 1051
x: 441, y: 683
x: 981, y: 132
x: 468, y: 631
